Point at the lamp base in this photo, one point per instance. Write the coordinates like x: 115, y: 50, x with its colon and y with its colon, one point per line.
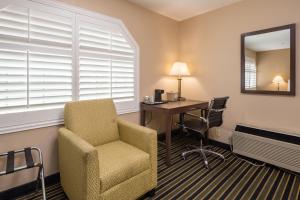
x: 181, y: 99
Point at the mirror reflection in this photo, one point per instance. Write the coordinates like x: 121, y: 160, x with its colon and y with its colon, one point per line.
x: 267, y: 61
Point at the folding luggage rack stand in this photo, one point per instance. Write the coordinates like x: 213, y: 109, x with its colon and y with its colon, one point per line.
x: 10, y: 165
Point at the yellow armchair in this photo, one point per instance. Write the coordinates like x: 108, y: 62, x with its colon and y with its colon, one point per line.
x: 104, y: 157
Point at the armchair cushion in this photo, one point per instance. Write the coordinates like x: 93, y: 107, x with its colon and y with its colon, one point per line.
x: 118, y: 162
x: 95, y: 121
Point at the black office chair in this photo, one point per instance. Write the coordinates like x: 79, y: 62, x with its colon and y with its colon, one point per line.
x: 201, y: 125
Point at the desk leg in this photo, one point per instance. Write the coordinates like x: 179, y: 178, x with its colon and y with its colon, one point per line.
x: 168, y: 139
x: 181, y: 122
x: 206, y: 140
x: 142, y: 117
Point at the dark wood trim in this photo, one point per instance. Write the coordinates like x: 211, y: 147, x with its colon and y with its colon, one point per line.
x: 219, y: 144
x: 292, y: 91
x: 243, y: 63
x: 27, y: 188
x: 293, y: 59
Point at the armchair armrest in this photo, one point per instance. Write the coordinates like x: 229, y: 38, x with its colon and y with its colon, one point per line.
x: 138, y: 136
x: 78, y: 165
x: 142, y: 138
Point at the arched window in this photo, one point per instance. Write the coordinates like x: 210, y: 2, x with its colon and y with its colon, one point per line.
x: 51, y: 53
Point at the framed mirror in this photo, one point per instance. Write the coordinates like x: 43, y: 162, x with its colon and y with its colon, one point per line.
x: 268, y: 61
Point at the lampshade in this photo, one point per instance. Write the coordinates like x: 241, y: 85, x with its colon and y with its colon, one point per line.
x: 278, y: 79
x: 180, y: 69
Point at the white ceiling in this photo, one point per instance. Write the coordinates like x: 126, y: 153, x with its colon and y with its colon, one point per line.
x: 268, y: 41
x: 182, y: 9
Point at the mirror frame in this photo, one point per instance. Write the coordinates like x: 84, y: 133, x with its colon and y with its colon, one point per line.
x: 292, y: 92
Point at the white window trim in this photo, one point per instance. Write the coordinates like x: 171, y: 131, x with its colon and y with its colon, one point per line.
x: 20, y: 121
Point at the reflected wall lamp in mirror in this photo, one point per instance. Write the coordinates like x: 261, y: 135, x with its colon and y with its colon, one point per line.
x: 180, y: 69
x: 278, y: 80
x: 268, y: 61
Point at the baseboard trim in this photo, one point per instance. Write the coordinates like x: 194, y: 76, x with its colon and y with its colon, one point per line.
x: 27, y: 187
x: 219, y: 144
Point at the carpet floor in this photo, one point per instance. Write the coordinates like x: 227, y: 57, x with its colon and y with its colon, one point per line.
x: 233, y: 179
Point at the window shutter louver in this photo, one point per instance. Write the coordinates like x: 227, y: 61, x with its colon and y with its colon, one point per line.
x: 250, y: 73
x: 106, y: 64
x: 35, y: 59
x: 14, y: 24
x: 50, y: 64
x: 13, y: 58
x: 13, y: 80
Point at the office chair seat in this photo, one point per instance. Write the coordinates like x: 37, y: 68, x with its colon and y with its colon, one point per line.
x: 201, y: 125
x: 196, y: 125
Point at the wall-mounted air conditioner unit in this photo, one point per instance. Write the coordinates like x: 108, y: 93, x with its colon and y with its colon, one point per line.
x: 279, y: 149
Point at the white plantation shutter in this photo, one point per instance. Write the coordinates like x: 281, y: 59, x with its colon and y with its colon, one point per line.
x: 35, y: 59
x: 13, y: 58
x: 51, y: 53
x: 50, y: 64
x: 13, y: 81
x: 250, y: 73
x: 107, y: 63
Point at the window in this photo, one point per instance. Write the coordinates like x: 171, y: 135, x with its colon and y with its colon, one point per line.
x: 51, y: 53
x: 250, y: 73
x: 106, y: 63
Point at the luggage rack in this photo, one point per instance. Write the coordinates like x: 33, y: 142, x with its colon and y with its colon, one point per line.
x: 10, y: 165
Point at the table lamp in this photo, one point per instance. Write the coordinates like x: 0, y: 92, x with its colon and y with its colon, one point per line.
x: 180, y: 69
x: 278, y: 80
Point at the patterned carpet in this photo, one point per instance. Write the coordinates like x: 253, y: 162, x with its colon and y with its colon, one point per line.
x: 233, y: 179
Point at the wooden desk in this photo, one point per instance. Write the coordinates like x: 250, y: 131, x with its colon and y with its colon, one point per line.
x: 169, y: 109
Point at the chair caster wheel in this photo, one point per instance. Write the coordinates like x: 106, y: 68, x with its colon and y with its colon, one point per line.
x: 206, y: 165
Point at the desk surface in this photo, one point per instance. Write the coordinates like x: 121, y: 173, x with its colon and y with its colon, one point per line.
x: 177, y: 105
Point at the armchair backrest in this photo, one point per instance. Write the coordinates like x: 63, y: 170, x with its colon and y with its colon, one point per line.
x: 95, y: 121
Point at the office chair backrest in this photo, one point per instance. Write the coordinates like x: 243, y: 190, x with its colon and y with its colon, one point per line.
x: 215, y: 111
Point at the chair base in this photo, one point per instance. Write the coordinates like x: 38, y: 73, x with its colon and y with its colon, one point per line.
x: 203, y: 151
x: 151, y: 193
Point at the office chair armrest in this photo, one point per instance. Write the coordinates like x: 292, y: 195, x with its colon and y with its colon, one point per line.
x: 78, y: 165
x: 196, y: 116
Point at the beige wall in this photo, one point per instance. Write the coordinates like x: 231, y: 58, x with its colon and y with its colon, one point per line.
x: 270, y: 64
x: 211, y: 44
x: 157, y: 37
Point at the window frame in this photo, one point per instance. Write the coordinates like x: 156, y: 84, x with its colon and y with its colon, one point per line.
x: 45, y: 117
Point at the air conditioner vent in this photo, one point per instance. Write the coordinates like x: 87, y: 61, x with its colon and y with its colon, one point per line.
x: 270, y: 150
